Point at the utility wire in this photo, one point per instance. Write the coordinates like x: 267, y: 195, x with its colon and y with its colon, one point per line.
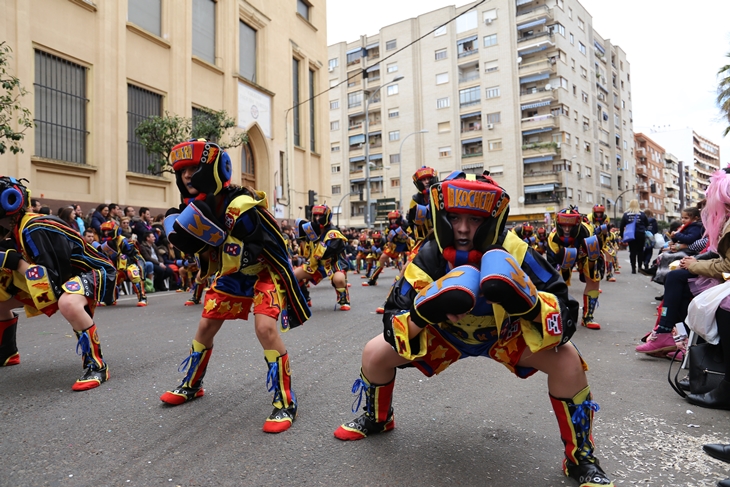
x: 363, y: 70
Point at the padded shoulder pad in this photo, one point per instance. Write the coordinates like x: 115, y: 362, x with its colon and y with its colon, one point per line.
x: 569, y: 258
x: 593, y: 247
x: 455, y: 293
x: 421, y: 214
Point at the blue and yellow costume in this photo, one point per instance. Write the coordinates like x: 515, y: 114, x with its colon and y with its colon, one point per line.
x: 601, y: 227
x: 397, y: 242
x: 126, y: 258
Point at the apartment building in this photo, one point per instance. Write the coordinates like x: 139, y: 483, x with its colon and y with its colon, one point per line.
x: 673, y: 182
x: 650, y: 162
x: 701, y: 157
x: 96, y: 69
x: 525, y: 89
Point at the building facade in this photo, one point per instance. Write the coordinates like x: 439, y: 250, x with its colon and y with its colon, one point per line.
x: 96, y: 69
x: 650, y: 185
x: 524, y: 89
x: 673, y: 182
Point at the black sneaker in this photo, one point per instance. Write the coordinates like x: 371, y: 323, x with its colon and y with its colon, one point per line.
x: 587, y: 474
x: 92, y: 378
x: 182, y: 395
x: 280, y: 419
x: 362, y: 426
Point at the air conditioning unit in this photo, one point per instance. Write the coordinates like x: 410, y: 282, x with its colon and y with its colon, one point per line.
x: 488, y: 21
x: 490, y: 126
x: 331, y: 68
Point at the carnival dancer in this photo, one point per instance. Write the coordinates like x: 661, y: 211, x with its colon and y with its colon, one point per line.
x: 541, y: 244
x: 239, y: 242
x: 45, y: 267
x: 374, y: 253
x: 397, y: 242
x: 570, y: 244
x: 326, y: 255
x: 474, y: 290
x: 419, y: 216
x: 601, y: 225
x: 363, y: 248
x: 127, y: 259
x: 526, y: 233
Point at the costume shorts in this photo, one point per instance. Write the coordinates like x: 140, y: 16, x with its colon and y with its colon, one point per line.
x: 231, y: 297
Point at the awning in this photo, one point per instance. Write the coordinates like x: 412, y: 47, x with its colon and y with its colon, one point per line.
x: 376, y: 157
x: 599, y: 47
x: 472, y: 166
x: 358, y: 114
x: 357, y: 159
x: 537, y: 104
x: 372, y: 45
x: 534, y: 23
x: 376, y: 179
x: 537, y: 131
x: 532, y: 160
x: 467, y: 39
x: 472, y: 114
x: 534, y: 77
x: 471, y: 141
x: 358, y: 180
x: 618, y: 157
x: 353, y: 51
x: 373, y: 68
x: 610, y: 201
x: 375, y: 134
x: 540, y: 188
x: 357, y: 139
x: 522, y: 2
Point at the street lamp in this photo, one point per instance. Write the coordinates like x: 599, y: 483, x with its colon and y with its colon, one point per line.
x: 368, y: 95
x: 339, y: 205
x: 615, y: 204
x: 400, y: 169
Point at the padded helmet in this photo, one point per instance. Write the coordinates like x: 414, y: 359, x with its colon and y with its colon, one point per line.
x: 599, y: 209
x: 109, y: 231
x: 363, y: 238
x: 214, y: 167
x: 527, y: 230
x: 424, y: 178
x: 321, y: 216
x: 14, y: 196
x: 377, y: 237
x: 541, y: 233
x: 480, y: 197
x: 571, y: 217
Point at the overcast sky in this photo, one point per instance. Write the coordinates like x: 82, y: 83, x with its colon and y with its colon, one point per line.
x: 675, y: 49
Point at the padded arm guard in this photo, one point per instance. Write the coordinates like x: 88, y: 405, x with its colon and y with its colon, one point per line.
x: 421, y: 214
x: 593, y: 247
x: 455, y: 293
x: 569, y: 258
x: 503, y: 282
x: 194, y: 229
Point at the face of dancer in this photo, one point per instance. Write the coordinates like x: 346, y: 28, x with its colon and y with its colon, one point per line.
x: 187, y: 177
x: 465, y: 226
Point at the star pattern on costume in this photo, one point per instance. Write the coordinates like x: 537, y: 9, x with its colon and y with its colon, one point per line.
x: 442, y: 366
x: 258, y: 298
x: 237, y: 308
x: 210, y: 305
x: 214, y: 237
x: 511, y: 347
x: 224, y: 307
x: 439, y: 352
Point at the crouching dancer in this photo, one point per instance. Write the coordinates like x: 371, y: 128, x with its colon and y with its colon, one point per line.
x: 239, y: 242
x: 46, y: 267
x: 504, y: 302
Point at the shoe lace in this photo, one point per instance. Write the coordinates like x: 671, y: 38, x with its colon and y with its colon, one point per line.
x: 359, y: 387
x: 190, y: 363
x: 272, y: 380
x: 84, y: 343
x: 581, y: 418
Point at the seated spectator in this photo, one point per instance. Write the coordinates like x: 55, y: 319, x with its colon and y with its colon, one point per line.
x: 142, y: 225
x: 89, y: 236
x: 44, y: 210
x: 160, y: 271
x: 35, y: 205
x: 79, y: 217
x: 67, y: 215
x: 99, y: 217
x: 126, y: 228
x: 689, y: 234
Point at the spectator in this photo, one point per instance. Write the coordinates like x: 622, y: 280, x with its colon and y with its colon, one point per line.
x: 682, y: 243
x: 35, y: 205
x: 160, y: 271
x: 89, y: 236
x: 115, y: 213
x: 142, y: 225
x: 636, y: 246
x: 129, y: 211
x: 99, y: 217
x: 79, y: 217
x: 67, y: 215
x: 126, y: 228
x: 653, y: 228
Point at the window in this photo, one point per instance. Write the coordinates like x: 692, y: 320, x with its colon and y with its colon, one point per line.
x: 589, y: 172
x: 496, y: 170
x: 580, y: 195
x: 467, y: 47
x: 570, y: 12
x: 390, y: 45
x: 60, y: 111
x: 493, y: 92
x: 354, y: 99
x: 141, y: 104
x: 312, y: 112
x: 469, y: 96
x: 393, y: 113
x: 146, y: 14
x: 335, y: 125
x: 560, y: 3
x: 247, y: 51
x: 440, y: 31
x: 569, y: 193
x: 337, y: 189
x: 333, y: 82
x: 333, y: 63
x: 582, y: 48
x: 490, y: 40
x: 440, y: 54
x: 584, y: 72
x: 303, y: 9
x: 335, y: 147
x: 356, y: 141
x: 467, y: 21
x: 392, y: 67
x: 443, y: 103
x: 395, y: 158
x: 334, y: 104
x: 589, y: 197
x: 353, y: 79
x: 490, y: 15
x: 584, y: 96
x: 204, y: 30
x: 495, y: 144
x: 444, y: 127
x: 494, y: 117
x: 557, y: 27
x: 572, y: 39
x: 491, y: 66
x: 442, y: 78
x: 395, y: 183
x: 392, y: 90
x: 445, y: 151
x: 394, y: 135
x: 354, y: 57
x: 581, y: 24
x: 336, y: 168
x: 295, y: 100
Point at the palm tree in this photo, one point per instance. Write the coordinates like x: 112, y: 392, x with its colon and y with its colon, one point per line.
x: 723, y: 93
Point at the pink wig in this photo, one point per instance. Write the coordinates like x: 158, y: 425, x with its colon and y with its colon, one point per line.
x: 715, y: 212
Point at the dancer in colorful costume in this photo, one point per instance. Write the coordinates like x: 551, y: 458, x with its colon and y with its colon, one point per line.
x: 397, y: 242
x: 572, y: 243
x: 326, y: 254
x: 601, y: 225
x: 45, y: 267
x: 475, y: 290
x: 240, y: 243
x: 541, y: 245
x: 419, y: 212
x: 363, y: 249
x: 126, y: 258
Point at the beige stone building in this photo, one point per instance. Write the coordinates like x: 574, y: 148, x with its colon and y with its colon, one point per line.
x: 650, y: 175
x: 525, y: 89
x: 673, y: 181
x: 95, y: 69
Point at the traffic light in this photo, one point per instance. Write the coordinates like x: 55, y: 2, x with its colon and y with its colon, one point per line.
x: 312, y: 197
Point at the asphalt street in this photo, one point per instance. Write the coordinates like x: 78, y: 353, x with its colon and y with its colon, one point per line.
x: 475, y: 424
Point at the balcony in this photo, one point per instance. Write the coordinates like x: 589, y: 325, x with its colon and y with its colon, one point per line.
x: 531, y: 95
x: 537, y: 13
x: 471, y: 122
x: 471, y: 148
x: 538, y: 122
x: 527, y: 37
x: 541, y: 149
x: 535, y: 67
x: 546, y: 175
x: 641, y: 170
x: 467, y: 47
